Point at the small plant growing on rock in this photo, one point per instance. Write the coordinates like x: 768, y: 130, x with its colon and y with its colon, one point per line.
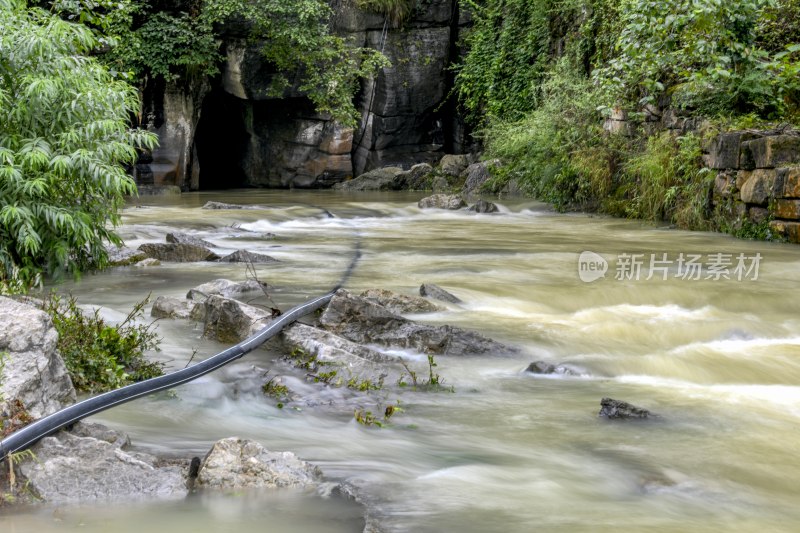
x: 98, y: 356
x: 275, y: 389
x: 364, y: 385
x: 434, y: 381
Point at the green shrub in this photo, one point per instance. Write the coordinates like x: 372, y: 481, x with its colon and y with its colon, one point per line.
x: 99, y: 356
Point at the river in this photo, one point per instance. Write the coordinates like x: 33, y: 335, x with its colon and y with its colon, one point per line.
x: 717, y: 357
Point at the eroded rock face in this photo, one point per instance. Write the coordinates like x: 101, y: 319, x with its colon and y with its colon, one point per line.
x: 178, y: 253
x: 235, y: 463
x: 93, y: 464
x: 34, y: 373
x: 360, y: 320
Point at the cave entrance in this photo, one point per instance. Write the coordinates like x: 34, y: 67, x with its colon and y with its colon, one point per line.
x: 220, y: 142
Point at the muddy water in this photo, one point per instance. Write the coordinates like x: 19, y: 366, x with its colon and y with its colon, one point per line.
x: 719, y: 359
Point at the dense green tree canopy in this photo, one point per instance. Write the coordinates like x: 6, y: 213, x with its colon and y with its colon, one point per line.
x: 65, y: 137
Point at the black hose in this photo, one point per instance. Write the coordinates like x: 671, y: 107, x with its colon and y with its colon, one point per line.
x: 30, y: 434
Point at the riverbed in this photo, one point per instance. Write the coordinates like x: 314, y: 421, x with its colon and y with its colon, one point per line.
x: 700, y: 328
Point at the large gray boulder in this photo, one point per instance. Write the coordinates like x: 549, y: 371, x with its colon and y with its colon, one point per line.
x: 360, y: 320
x: 178, y: 253
x: 232, y: 321
x: 380, y: 179
x: 93, y: 464
x: 454, y: 165
x: 168, y: 307
x: 414, y: 179
x: 34, y: 373
x: 235, y: 463
x: 442, y: 201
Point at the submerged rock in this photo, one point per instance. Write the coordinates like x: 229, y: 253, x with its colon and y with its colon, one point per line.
x: 178, y: 253
x: 149, y: 262
x: 615, y: 409
x: 360, y: 320
x: 223, y: 205
x: 540, y: 367
x: 399, y: 303
x: 235, y: 463
x: 437, y: 293
x: 34, y: 373
x: 93, y: 464
x: 244, y: 256
x: 185, y: 238
x: 442, y: 201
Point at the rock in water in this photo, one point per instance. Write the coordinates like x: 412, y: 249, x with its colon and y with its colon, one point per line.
x: 234, y: 463
x: 223, y: 205
x: 477, y: 174
x: 437, y: 293
x: 244, y: 256
x: 34, y: 373
x: 380, y: 179
x: 233, y: 321
x: 168, y: 307
x: 226, y: 288
x: 184, y: 238
x: 92, y: 464
x: 122, y: 256
x: 399, y: 303
x: 442, y: 201
x: 178, y: 253
x: 615, y: 409
x: 540, y: 367
x: 362, y: 321
x: 482, y: 206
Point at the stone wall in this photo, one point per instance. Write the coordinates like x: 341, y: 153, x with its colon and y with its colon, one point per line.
x: 758, y: 178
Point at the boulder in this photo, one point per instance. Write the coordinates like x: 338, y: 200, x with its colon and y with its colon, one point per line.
x: 399, y: 303
x: 477, y: 174
x: 244, y: 256
x: 225, y: 288
x: 362, y: 321
x: 540, y: 367
x: 482, y: 206
x: 770, y: 151
x: 615, y: 409
x: 122, y: 256
x: 168, y: 307
x: 93, y: 464
x: 414, y: 179
x: 442, y: 201
x: 178, y: 253
x: 34, y: 373
x: 437, y: 293
x: 231, y: 321
x: 185, y: 238
x: 454, y: 165
x: 235, y: 463
x: 380, y: 179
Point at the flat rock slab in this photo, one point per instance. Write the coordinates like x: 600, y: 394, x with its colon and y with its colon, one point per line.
x: 399, y: 303
x: 185, y: 238
x: 123, y: 256
x: 226, y: 288
x: 93, y: 465
x: 223, y: 205
x: 443, y: 201
x: 437, y: 293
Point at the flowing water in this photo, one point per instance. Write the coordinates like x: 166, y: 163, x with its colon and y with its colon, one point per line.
x: 718, y: 359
